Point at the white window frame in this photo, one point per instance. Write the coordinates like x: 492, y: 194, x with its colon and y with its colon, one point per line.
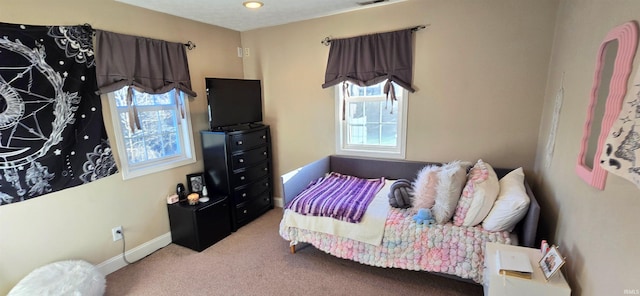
x: 188, y: 155
x: 377, y: 151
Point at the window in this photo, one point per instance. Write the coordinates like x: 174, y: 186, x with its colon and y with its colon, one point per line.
x: 164, y: 140
x: 372, y: 125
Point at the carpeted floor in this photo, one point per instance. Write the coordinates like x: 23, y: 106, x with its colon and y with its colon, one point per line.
x: 255, y: 260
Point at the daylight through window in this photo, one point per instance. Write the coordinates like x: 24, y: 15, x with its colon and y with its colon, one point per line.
x: 373, y: 125
x: 164, y: 138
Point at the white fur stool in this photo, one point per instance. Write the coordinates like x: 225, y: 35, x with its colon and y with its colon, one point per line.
x: 73, y: 277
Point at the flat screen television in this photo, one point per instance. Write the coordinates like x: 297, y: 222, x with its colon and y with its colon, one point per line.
x: 233, y: 103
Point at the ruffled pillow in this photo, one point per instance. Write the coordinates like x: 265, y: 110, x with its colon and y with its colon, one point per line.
x: 478, y: 195
x: 438, y: 188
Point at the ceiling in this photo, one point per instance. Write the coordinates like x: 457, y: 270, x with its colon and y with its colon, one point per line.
x: 231, y: 14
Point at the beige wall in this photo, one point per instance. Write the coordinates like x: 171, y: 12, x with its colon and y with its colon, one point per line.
x: 77, y: 222
x: 486, y: 74
x: 480, y: 71
x: 597, y: 230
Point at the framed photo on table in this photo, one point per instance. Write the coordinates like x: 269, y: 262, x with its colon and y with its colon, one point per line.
x: 551, y: 262
x: 195, y: 182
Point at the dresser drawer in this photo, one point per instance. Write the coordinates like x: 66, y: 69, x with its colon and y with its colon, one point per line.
x: 249, y: 158
x: 250, y: 174
x: 248, y: 140
x: 250, y: 209
x: 252, y: 190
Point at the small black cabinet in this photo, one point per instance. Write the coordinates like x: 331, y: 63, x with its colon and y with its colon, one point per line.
x: 237, y: 163
x: 199, y: 226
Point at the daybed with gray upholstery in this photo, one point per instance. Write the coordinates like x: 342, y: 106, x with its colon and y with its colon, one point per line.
x: 400, y: 242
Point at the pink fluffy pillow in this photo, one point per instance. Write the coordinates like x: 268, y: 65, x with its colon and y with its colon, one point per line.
x: 438, y: 188
x: 424, y: 187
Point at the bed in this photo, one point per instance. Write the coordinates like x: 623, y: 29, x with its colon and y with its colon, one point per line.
x: 445, y: 249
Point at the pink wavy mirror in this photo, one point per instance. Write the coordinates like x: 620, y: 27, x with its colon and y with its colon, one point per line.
x: 613, y: 67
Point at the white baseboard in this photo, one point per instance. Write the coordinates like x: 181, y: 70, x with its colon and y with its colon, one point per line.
x: 277, y: 201
x: 116, y: 262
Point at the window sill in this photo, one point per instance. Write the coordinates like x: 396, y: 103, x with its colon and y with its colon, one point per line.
x: 139, y: 172
x: 374, y: 154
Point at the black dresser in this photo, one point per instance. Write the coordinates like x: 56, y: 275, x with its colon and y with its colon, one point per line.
x: 237, y: 163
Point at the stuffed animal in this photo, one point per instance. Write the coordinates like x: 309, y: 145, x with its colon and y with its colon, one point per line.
x: 423, y: 216
x: 400, y: 194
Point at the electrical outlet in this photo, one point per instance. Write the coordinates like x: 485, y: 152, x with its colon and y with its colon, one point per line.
x: 246, y: 52
x: 240, y: 52
x: 116, y: 232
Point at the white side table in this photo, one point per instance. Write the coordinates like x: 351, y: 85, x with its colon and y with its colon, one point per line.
x: 499, y: 285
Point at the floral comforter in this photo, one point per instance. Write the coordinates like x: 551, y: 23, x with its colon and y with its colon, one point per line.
x: 444, y: 248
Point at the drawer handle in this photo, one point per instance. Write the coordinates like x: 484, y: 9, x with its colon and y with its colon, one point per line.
x: 240, y: 160
x: 241, y: 177
x: 264, y: 137
x: 266, y: 184
x: 244, y: 195
x: 266, y: 169
x: 244, y: 212
x: 265, y: 153
x: 239, y: 142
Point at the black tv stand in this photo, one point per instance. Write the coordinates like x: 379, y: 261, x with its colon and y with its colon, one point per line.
x: 255, y: 125
x: 238, y: 127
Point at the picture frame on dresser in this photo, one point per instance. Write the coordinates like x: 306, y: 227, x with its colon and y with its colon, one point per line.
x: 195, y: 182
x: 551, y: 262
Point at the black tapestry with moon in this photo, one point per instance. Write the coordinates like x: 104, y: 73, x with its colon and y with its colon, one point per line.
x: 52, y: 135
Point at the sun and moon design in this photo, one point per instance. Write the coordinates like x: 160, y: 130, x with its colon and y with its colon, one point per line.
x: 39, y: 107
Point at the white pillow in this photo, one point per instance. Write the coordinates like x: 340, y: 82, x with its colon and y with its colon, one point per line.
x: 512, y: 203
x: 478, y: 195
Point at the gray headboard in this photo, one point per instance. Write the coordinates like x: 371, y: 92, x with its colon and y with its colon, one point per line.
x: 297, y: 180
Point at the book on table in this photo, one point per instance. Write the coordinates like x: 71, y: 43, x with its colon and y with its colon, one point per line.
x: 513, y: 263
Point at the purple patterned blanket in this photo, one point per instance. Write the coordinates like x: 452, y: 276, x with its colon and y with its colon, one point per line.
x: 337, y: 196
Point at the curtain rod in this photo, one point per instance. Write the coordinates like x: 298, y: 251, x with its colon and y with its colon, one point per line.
x: 327, y: 40
x: 189, y: 45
